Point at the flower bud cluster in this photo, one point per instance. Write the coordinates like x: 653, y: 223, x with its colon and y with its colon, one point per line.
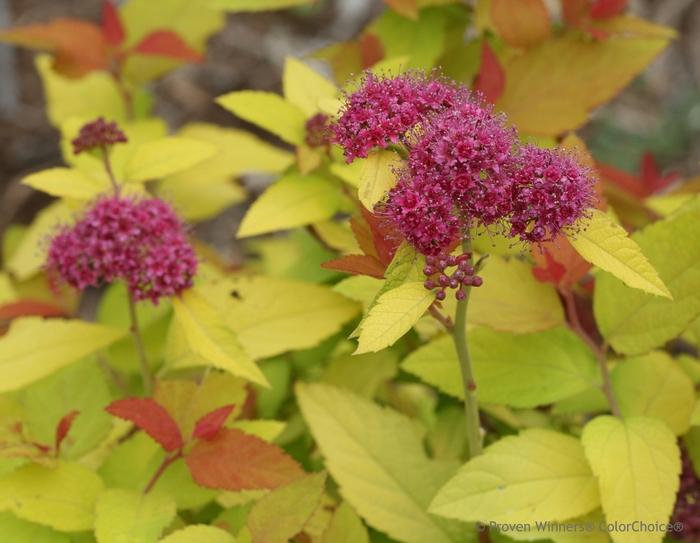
x: 459, y: 279
x: 97, y: 134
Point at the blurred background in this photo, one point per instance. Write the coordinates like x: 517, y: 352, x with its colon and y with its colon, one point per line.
x: 659, y: 112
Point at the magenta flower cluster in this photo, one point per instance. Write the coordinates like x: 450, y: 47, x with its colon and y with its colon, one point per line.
x: 141, y: 242
x: 465, y: 167
x: 97, y: 134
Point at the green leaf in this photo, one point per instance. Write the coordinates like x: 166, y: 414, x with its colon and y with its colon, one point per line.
x: 15, y: 530
x: 654, y: 386
x: 519, y: 370
x: 345, y: 527
x: 62, y: 497
x: 23, y: 360
x: 199, y: 533
x: 163, y: 157
x: 634, y: 322
x: 637, y: 464
x: 606, y: 244
x: 269, y: 111
x: 293, y: 200
x: 128, y: 516
x: 260, y: 5
x: 304, y: 87
x: 538, y: 475
x: 284, y: 512
x: 65, y: 183
x: 208, y: 337
x: 79, y: 387
x: 395, y: 312
x: 377, y: 177
x: 7, y: 290
x: 398, y: 479
x: 362, y: 374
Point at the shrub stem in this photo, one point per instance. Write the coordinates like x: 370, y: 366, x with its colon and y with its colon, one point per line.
x: 140, y: 349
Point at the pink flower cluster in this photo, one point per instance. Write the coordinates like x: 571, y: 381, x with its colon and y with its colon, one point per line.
x: 687, y: 509
x: 97, y: 133
x: 465, y: 168
x: 141, y: 242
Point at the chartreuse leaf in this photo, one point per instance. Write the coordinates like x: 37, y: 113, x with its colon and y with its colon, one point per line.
x: 268, y: 111
x: 395, y: 312
x: 159, y: 158
x: 637, y: 464
x: 537, y: 475
x: 362, y: 374
x: 62, y: 496
x: 607, y: 245
x: 128, y: 516
x: 272, y: 316
x: 398, y: 479
x: 199, y: 533
x: 345, y: 527
x: 695, y: 417
x: 634, y: 322
x: 304, y: 87
x: 377, y: 177
x: 209, y: 337
x: 654, y: 386
x: 13, y: 529
x: 512, y: 300
x: 7, y: 290
x: 29, y: 256
x: 259, y: 5
x: 282, y: 514
x: 23, y: 360
x: 524, y: 370
x: 551, y: 87
x: 293, y: 200
x: 65, y: 183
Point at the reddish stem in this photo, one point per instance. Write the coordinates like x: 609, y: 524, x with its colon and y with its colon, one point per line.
x: 167, y: 461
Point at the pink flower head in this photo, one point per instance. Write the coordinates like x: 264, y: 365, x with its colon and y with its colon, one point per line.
x: 687, y: 509
x: 317, y: 132
x: 141, y: 242
x: 382, y: 110
x: 97, y: 133
x: 551, y: 191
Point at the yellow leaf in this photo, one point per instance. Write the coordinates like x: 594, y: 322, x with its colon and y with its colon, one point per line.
x: 377, y: 177
x: 7, y: 290
x: 654, y: 386
x: 28, y: 258
x: 293, y: 200
x: 208, y: 337
x: 345, y: 527
x: 551, y: 87
x: 521, y: 23
x: 129, y: 516
x: 23, y: 360
x: 62, y: 497
x: 337, y: 235
x: 65, y: 183
x: 259, y: 5
x: 607, y: 245
x: 268, y: 111
x: 304, y: 87
x: 397, y: 479
x: 269, y: 430
x: 272, y: 316
x: 695, y: 418
x: 199, y: 533
x: 350, y: 173
x: 395, y: 312
x: 538, y: 475
x: 159, y: 158
x: 637, y: 463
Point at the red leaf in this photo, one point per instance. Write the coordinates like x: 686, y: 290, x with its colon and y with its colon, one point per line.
x: 652, y: 178
x: 63, y: 427
x: 165, y: 43
x: 491, y: 80
x: 209, y: 425
x: 574, y: 11
x: 151, y: 417
x: 649, y: 181
x: 371, y: 50
x: 553, y: 272
x: 79, y: 46
x: 563, y: 254
x: 385, y: 239
x: 233, y: 460
x: 357, y: 265
x: 112, y: 27
x: 605, y: 9
x: 28, y: 307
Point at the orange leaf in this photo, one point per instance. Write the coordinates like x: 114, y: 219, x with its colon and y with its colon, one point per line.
x: 165, y: 43
x: 491, y: 79
x: 371, y: 50
x: 357, y: 265
x: 575, y: 11
x: 605, y: 9
x: 209, y: 425
x: 63, y: 427
x: 407, y: 8
x: 521, y: 23
x: 79, y: 46
x: 234, y: 460
x: 559, y: 263
x: 151, y: 417
x: 28, y: 307
x: 112, y: 27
